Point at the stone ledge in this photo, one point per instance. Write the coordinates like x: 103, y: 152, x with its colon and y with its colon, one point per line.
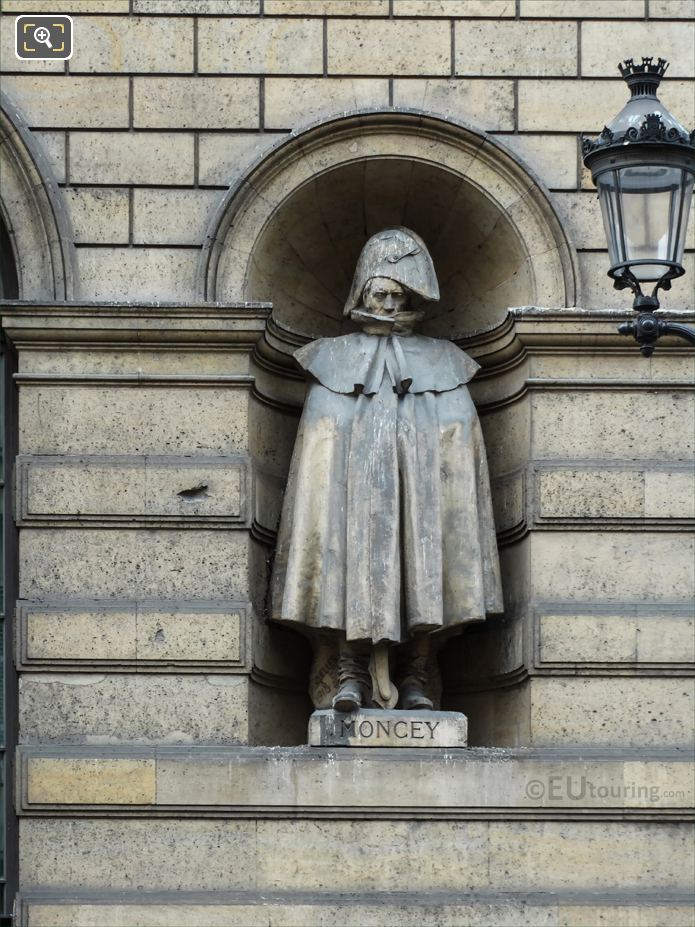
x: 324, y: 909
x: 475, y: 783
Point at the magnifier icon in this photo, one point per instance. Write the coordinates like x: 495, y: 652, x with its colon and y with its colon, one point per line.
x: 42, y: 34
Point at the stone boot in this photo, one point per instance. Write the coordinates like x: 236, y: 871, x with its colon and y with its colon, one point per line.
x: 354, y: 681
x: 412, y: 677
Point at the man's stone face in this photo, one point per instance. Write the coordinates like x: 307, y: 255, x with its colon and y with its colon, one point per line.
x: 384, y: 297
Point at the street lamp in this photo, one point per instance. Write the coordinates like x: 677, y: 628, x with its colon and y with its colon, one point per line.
x: 643, y: 164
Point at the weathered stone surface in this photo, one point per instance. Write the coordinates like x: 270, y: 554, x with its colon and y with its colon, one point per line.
x: 385, y: 47
x: 223, y: 157
x: 133, y: 708
x: 429, y: 910
x: 195, y: 102
x: 135, y: 44
x: 552, y: 157
x: 131, y: 633
x: 80, y: 102
x: 138, y: 273
x: 660, y: 637
x: 66, y: 6
x: 454, y: 8
x: 140, y: 487
x: 671, y: 9
x: 598, y: 43
x: 362, y: 856
x: 617, y: 711
x: 127, y: 158
x: 95, y: 781
x: 326, y: 7
x: 270, y: 46
x: 578, y: 9
x: 99, y: 215
x: 172, y: 217
x: 516, y: 48
x: 198, y: 7
x: 486, y: 103
x: 113, y: 420
x: 53, y: 146
x: 382, y: 728
x: 98, y: 563
x: 291, y: 101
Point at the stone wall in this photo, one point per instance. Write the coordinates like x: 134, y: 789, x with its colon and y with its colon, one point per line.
x: 166, y: 190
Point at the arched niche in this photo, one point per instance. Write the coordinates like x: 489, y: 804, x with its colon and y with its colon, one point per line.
x: 34, y: 214
x: 291, y: 230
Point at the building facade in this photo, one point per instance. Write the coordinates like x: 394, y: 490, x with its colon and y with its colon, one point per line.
x: 182, y: 204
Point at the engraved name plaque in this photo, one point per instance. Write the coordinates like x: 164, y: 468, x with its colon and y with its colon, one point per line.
x: 383, y: 728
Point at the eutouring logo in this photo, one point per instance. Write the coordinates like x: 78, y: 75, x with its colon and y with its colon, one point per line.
x: 581, y: 788
x: 43, y: 38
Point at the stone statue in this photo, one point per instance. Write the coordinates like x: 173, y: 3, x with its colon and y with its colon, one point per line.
x: 386, y: 540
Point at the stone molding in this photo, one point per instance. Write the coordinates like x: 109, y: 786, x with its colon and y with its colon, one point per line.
x: 147, y: 636
x: 342, y: 782
x: 34, y: 212
x: 74, y: 490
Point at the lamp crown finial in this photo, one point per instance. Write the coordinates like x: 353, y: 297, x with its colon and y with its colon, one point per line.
x: 643, y: 79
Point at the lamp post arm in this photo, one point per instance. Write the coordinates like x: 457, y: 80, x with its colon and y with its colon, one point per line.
x: 648, y: 328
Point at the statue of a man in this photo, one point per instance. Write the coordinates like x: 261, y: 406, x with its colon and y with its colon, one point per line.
x: 387, y: 536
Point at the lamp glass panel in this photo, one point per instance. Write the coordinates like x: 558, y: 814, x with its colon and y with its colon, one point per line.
x: 650, y: 197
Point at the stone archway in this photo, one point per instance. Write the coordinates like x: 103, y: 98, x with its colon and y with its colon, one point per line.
x: 291, y: 230
x: 34, y: 214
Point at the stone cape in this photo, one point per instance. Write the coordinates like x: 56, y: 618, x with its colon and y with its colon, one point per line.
x: 388, y: 500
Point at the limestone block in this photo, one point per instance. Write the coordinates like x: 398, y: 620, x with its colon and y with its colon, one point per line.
x: 98, y: 632
x: 137, y: 488
x: 136, y: 361
x: 291, y: 102
x: 609, y: 566
x: 66, y: 6
x: 584, y: 106
x: 326, y: 7
x: 172, y: 217
x: 375, y: 728
x: 97, y: 563
x: 195, y: 102
x: 90, y: 782
x: 485, y: 103
x: 113, y: 420
x: 10, y: 62
x: 198, y: 7
x: 490, y: 8
x: 136, y: 44
x: 389, y: 47
x: 190, y: 634
x: 266, y: 46
x: 653, y: 424
x: 659, y: 637
x: 507, y: 438
x: 53, y: 146
x: 629, y: 711
x: 677, y: 39
x: 138, y: 273
x: 581, y: 215
x: 552, y: 157
x: 589, y: 493
x: 511, y: 48
x: 578, y: 9
x: 82, y: 102
x: 222, y: 158
x: 429, y: 911
x: 671, y: 9
x: 99, y: 215
x: 156, y: 854
x: 669, y: 494
x: 133, y: 708
x: 131, y: 158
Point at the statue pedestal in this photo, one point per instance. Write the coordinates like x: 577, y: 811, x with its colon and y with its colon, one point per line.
x: 383, y: 728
